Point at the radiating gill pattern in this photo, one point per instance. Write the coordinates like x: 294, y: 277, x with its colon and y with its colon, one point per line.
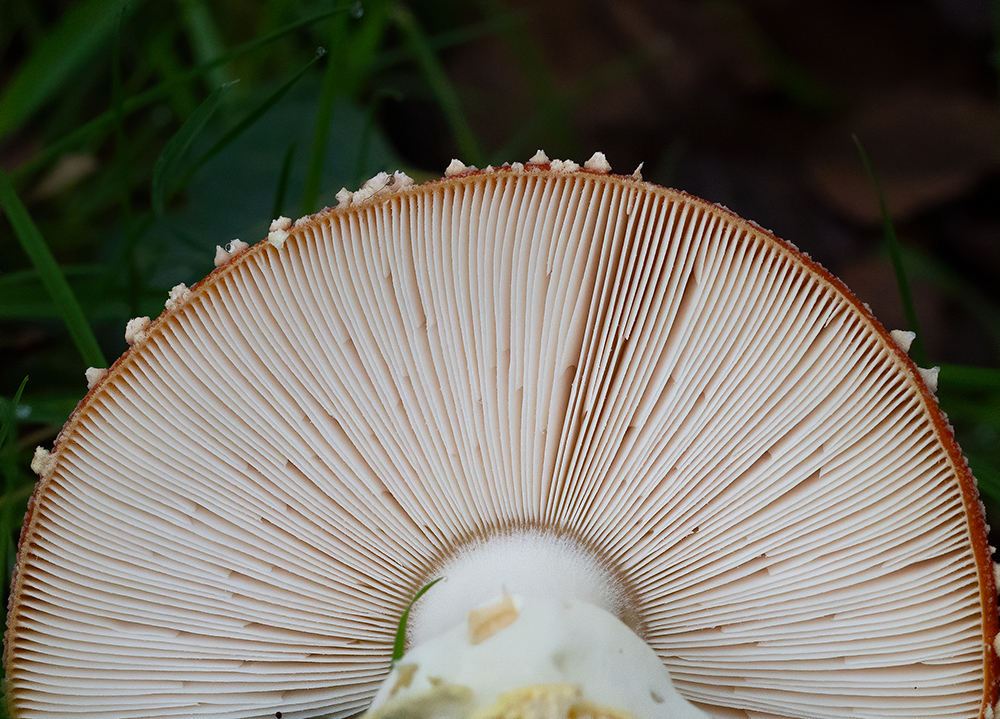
x: 247, y: 502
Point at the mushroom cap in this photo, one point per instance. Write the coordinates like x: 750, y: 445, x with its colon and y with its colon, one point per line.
x: 236, y: 515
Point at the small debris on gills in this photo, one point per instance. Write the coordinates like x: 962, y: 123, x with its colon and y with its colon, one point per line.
x: 517, y: 166
x: 222, y: 256
x: 539, y: 158
x: 43, y: 462
x: 344, y: 197
x: 382, y: 184
x: 637, y: 175
x: 278, y: 232
x: 564, y: 166
x: 598, y: 162
x: 95, y: 375
x: 135, y: 330
x: 930, y: 377
x: 455, y: 167
x: 179, y: 294
x: 903, y: 338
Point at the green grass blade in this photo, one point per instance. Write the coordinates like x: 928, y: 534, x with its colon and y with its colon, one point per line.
x: 283, y: 176
x: 464, y: 35
x: 798, y: 83
x: 399, y: 646
x: 48, y: 271
x: 121, y: 168
x: 83, y: 30
x: 204, y: 38
x: 353, y: 52
x: 8, y: 414
x: 918, y: 351
x: 554, y: 121
x: 440, y: 85
x: 332, y: 84
x: 169, y: 165
x: 363, y: 52
x: 104, y: 121
x: 251, y: 117
x: 610, y: 73
x: 976, y: 302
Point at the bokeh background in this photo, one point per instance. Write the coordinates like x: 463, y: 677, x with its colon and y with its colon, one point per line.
x: 141, y: 134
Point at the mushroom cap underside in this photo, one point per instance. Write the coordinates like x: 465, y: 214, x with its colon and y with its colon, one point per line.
x: 238, y: 512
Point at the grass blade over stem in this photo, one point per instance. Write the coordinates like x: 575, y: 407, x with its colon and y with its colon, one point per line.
x: 399, y: 645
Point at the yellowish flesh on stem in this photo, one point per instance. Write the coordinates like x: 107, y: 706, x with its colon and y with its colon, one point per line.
x: 532, y: 658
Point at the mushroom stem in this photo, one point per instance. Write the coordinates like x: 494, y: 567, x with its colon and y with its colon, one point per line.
x: 532, y: 657
x: 527, y: 625
x: 527, y: 563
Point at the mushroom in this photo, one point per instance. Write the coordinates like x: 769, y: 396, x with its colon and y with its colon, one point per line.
x: 582, y: 400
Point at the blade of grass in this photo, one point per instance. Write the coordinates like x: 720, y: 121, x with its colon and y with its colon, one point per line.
x: 399, y: 646
x: 559, y: 132
x: 204, y: 36
x: 332, y: 82
x: 169, y: 165
x: 918, y: 351
x: 352, y: 54
x: 48, y: 271
x: 365, y: 44
x: 105, y: 120
x: 84, y: 29
x: 449, y: 38
x: 283, y: 176
x: 251, y: 117
x: 8, y: 414
x: 786, y: 74
x: 440, y: 85
x: 167, y: 63
x: 978, y: 303
x: 611, y: 72
x: 121, y: 168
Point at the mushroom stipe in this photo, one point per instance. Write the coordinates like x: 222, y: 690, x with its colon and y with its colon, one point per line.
x: 633, y: 432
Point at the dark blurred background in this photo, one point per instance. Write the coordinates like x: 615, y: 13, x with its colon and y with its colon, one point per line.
x: 122, y: 131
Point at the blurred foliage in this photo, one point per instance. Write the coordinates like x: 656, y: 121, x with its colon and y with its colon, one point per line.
x: 139, y: 135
